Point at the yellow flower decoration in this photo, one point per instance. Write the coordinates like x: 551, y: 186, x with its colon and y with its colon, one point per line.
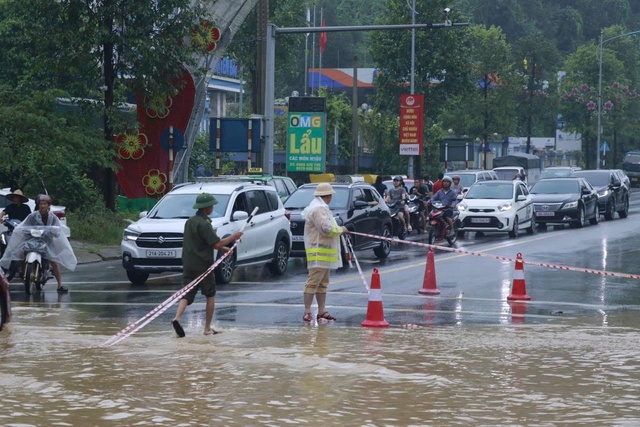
x: 154, y: 182
x: 158, y: 106
x: 131, y: 146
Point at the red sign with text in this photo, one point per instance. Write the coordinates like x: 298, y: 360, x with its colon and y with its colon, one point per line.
x: 411, y: 124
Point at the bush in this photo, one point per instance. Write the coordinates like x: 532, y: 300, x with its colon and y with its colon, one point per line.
x: 99, y: 225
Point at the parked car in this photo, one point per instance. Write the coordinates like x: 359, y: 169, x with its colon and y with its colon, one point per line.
x: 564, y: 200
x: 283, y: 184
x: 153, y: 244
x: 613, y: 195
x: 623, y: 178
x: 59, y: 211
x: 503, y: 206
x: 558, y: 171
x: 358, y: 206
x: 631, y: 166
x: 468, y: 177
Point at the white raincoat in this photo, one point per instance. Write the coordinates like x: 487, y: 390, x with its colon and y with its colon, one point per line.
x: 55, y: 244
x: 321, y: 236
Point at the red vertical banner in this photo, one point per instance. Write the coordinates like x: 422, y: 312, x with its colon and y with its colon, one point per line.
x: 411, y: 124
x: 323, y: 38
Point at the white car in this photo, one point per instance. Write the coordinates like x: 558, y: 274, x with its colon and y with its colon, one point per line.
x: 504, y: 206
x: 59, y: 211
x: 153, y: 244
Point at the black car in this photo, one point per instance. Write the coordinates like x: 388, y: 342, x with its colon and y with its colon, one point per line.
x: 357, y: 206
x: 564, y: 200
x: 613, y: 195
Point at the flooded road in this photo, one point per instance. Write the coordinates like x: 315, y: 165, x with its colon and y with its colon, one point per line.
x: 569, y: 373
x: 466, y: 357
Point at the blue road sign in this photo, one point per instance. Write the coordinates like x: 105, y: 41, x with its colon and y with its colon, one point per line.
x: 604, y: 147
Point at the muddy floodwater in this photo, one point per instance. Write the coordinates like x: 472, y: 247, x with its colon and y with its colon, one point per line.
x: 570, y: 372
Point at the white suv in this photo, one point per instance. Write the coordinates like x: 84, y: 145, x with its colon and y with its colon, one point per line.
x: 153, y: 244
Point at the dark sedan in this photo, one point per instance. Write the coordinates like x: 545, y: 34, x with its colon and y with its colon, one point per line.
x: 564, y: 201
x: 613, y: 195
x: 357, y: 206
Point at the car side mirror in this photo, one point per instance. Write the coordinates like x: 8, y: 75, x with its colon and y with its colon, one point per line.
x: 586, y: 191
x: 143, y: 214
x: 521, y: 198
x: 359, y: 204
x: 239, y: 216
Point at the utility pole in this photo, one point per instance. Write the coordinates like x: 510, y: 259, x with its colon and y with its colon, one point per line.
x: 354, y: 118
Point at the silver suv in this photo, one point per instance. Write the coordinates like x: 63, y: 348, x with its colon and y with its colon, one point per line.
x: 153, y: 244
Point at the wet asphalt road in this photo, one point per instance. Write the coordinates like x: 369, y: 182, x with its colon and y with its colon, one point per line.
x: 473, y: 288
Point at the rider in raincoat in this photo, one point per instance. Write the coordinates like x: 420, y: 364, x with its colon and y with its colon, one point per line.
x: 322, y: 245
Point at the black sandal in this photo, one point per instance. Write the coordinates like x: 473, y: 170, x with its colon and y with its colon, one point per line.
x: 325, y: 316
x: 63, y: 289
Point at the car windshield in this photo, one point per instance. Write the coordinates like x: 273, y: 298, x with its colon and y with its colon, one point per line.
x: 466, y: 179
x: 556, y: 186
x: 180, y: 206
x: 506, y: 173
x: 301, y: 198
x: 485, y: 190
x: 597, y: 179
x: 555, y: 173
x: 632, y: 158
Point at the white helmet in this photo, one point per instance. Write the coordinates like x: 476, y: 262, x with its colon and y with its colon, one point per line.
x: 447, y: 178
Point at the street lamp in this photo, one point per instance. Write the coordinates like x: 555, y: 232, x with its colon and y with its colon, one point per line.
x: 599, y: 130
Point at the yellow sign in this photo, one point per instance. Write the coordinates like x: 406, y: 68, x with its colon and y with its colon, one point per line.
x: 255, y: 170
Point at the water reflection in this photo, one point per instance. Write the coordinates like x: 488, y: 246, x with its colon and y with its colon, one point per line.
x: 531, y: 375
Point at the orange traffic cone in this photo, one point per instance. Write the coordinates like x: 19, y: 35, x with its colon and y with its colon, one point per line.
x: 519, y: 289
x: 375, y: 315
x: 429, y: 286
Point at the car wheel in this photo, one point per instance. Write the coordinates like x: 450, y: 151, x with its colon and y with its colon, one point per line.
x: 532, y: 228
x: 461, y: 234
x: 596, y: 217
x: 384, y: 249
x: 608, y: 211
x: 137, y: 277
x: 514, y: 231
x: 224, y: 271
x: 581, y: 218
x: 625, y: 211
x: 280, y: 261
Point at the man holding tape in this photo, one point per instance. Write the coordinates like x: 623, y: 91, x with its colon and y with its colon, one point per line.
x: 200, y: 240
x: 322, y: 245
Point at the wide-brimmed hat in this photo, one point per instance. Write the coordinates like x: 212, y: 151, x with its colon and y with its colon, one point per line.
x: 324, y: 189
x: 204, y: 200
x: 18, y: 193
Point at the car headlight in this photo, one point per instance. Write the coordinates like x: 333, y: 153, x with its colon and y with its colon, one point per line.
x: 462, y: 207
x: 130, y: 235
x: 505, y: 207
x: 603, y: 193
x: 570, y: 205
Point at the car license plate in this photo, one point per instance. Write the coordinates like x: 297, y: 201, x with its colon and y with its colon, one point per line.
x: 298, y: 238
x: 634, y: 179
x: 480, y: 220
x: 545, y: 213
x: 161, y: 254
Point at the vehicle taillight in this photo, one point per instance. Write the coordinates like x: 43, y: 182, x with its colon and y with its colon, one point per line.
x: 60, y: 214
x: 287, y: 214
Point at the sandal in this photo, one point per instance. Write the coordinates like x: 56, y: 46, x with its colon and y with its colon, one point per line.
x: 325, y: 316
x: 307, y: 317
x: 63, y: 289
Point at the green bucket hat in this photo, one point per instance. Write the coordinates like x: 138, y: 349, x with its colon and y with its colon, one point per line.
x: 204, y: 200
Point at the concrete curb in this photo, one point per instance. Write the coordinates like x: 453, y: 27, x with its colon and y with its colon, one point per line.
x: 87, y: 252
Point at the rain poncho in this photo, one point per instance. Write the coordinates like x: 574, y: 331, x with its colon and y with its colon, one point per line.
x: 321, y: 236
x: 53, y: 242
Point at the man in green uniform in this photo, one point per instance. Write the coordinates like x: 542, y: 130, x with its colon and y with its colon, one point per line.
x: 200, y: 240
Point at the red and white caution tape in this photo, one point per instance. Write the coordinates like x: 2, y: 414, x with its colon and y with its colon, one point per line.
x: 502, y: 258
x: 165, y: 305
x: 364, y: 280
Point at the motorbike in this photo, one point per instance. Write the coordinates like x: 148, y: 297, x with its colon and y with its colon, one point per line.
x: 395, y: 209
x: 36, y: 272
x: 413, y: 203
x: 14, y: 268
x: 438, y: 226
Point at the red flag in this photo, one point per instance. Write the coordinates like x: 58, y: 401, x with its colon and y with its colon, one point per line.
x: 323, y: 38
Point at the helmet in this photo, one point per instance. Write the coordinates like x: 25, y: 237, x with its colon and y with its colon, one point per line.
x: 456, y: 177
x: 397, y: 178
x: 204, y: 200
x: 43, y: 198
x: 447, y: 178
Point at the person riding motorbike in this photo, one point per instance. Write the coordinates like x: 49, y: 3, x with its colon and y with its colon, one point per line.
x: 422, y: 191
x: 457, y: 187
x: 447, y: 197
x: 399, y: 193
x: 17, y: 209
x: 59, y: 249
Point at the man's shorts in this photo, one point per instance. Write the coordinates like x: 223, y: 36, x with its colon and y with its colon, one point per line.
x: 207, y: 285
